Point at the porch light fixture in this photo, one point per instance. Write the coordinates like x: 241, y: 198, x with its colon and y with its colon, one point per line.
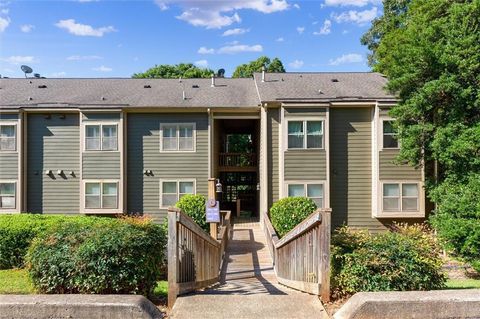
x: 48, y: 172
x: 219, y: 187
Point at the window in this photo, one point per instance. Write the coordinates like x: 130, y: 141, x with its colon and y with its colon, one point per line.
x: 172, y: 191
x: 7, y: 195
x: 313, y: 191
x: 101, y: 195
x: 177, y: 137
x: 390, y: 138
x: 400, y: 197
x: 7, y: 138
x: 101, y: 137
x: 305, y: 134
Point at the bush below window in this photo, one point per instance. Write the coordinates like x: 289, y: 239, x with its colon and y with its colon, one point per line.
x: 289, y: 212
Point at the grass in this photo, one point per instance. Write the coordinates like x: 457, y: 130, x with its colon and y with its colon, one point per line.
x: 463, y: 283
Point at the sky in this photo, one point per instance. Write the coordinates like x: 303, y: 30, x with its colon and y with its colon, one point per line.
x: 101, y: 38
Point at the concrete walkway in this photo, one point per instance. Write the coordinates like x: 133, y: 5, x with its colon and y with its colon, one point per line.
x: 249, y: 288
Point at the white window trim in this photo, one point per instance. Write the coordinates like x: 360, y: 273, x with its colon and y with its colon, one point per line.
x: 15, y: 125
x: 101, y: 124
x: 101, y: 210
x: 304, y: 120
x: 305, y: 183
x: 383, y: 120
x: 11, y: 209
x: 194, y: 137
x: 194, y: 181
x: 420, y: 212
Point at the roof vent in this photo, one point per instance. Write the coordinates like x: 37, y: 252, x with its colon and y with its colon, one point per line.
x: 213, y: 81
x: 43, y: 86
x: 147, y: 86
x: 195, y: 86
x: 334, y: 80
x: 320, y: 92
x: 263, y: 73
x: 30, y: 98
x: 103, y: 98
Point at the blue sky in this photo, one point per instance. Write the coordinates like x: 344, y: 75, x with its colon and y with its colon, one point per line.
x: 95, y: 38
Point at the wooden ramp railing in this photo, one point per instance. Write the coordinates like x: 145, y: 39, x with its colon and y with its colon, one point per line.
x: 194, y: 257
x: 302, y: 257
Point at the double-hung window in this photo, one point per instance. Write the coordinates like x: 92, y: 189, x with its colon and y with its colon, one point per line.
x: 172, y: 191
x: 7, y: 137
x: 313, y: 190
x: 101, y: 137
x: 177, y: 137
x: 101, y: 195
x: 305, y: 134
x: 400, y: 197
x: 7, y: 195
x: 390, y: 136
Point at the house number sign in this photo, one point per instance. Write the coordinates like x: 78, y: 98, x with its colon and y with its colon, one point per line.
x: 213, y: 211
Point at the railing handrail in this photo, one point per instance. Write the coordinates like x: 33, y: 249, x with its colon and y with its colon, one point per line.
x: 311, y: 221
x: 188, y: 222
x: 238, y: 153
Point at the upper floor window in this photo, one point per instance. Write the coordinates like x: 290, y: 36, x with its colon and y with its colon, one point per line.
x: 101, y: 137
x: 101, y: 195
x: 313, y: 191
x: 305, y: 134
x: 400, y: 197
x: 177, y: 137
x: 390, y: 136
x: 172, y: 191
x: 7, y: 138
x: 7, y: 195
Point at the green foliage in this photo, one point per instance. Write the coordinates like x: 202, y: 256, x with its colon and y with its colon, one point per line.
x: 288, y: 212
x: 183, y: 70
x: 246, y: 70
x: 121, y: 256
x: 194, y: 206
x: 405, y: 259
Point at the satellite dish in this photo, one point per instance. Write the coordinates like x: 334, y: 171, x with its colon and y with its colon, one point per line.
x: 26, y: 69
x: 221, y: 73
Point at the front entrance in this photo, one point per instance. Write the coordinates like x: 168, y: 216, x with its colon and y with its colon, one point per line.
x: 236, y: 150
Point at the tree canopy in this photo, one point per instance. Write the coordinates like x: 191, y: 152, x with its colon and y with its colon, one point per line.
x: 184, y: 70
x: 246, y: 70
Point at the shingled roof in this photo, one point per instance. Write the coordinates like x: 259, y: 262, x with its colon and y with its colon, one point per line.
x: 116, y: 92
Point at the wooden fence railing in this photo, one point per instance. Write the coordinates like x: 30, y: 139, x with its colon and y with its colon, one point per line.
x: 237, y: 160
x: 302, y: 257
x: 194, y: 257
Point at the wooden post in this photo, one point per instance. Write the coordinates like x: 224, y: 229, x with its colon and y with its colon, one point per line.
x: 172, y: 258
x: 212, y: 195
x: 324, y: 264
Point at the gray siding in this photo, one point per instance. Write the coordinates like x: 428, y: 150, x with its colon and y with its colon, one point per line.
x: 273, y: 120
x: 100, y: 116
x: 101, y: 165
x: 305, y: 165
x: 305, y: 111
x: 8, y: 165
x: 143, y: 153
x: 390, y: 171
x: 53, y: 144
x: 351, y: 168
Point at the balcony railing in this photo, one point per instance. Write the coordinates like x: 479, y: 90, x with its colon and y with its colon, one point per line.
x: 237, y: 160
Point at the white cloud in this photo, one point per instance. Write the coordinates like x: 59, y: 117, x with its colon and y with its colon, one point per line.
x: 236, y: 31
x: 27, y: 28
x: 358, y: 17
x: 4, y: 22
x: 58, y: 74
x: 220, y: 13
x: 201, y: 63
x: 18, y: 59
x: 83, y: 57
x: 5, y: 11
x: 281, y: 39
x: 347, y: 58
x: 296, y: 6
x: 300, y: 30
x: 204, y: 50
x: 83, y: 29
x: 354, y: 3
x: 239, y: 48
x: 297, y: 64
x: 102, y: 68
x: 325, y: 29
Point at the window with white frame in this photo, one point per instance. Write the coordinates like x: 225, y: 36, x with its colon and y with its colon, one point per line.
x: 305, y: 134
x: 8, y: 137
x: 101, y: 195
x: 313, y: 190
x: 101, y: 137
x: 172, y: 191
x: 390, y: 136
x: 177, y: 137
x: 7, y: 195
x: 400, y: 197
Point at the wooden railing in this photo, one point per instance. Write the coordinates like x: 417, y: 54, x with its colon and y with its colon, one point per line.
x: 194, y: 257
x: 302, y: 257
x: 237, y: 160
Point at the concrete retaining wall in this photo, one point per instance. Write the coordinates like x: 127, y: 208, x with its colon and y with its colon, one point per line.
x: 77, y: 307
x: 439, y: 304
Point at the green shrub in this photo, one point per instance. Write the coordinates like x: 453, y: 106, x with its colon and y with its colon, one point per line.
x: 121, y: 256
x: 407, y: 258
x: 194, y: 206
x: 289, y: 212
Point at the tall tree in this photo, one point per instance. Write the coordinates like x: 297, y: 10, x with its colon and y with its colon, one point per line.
x: 184, y: 70
x: 246, y: 70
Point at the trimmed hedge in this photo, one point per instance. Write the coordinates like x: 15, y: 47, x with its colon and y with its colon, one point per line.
x: 288, y: 212
x: 407, y: 258
x: 121, y: 256
x: 194, y: 206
